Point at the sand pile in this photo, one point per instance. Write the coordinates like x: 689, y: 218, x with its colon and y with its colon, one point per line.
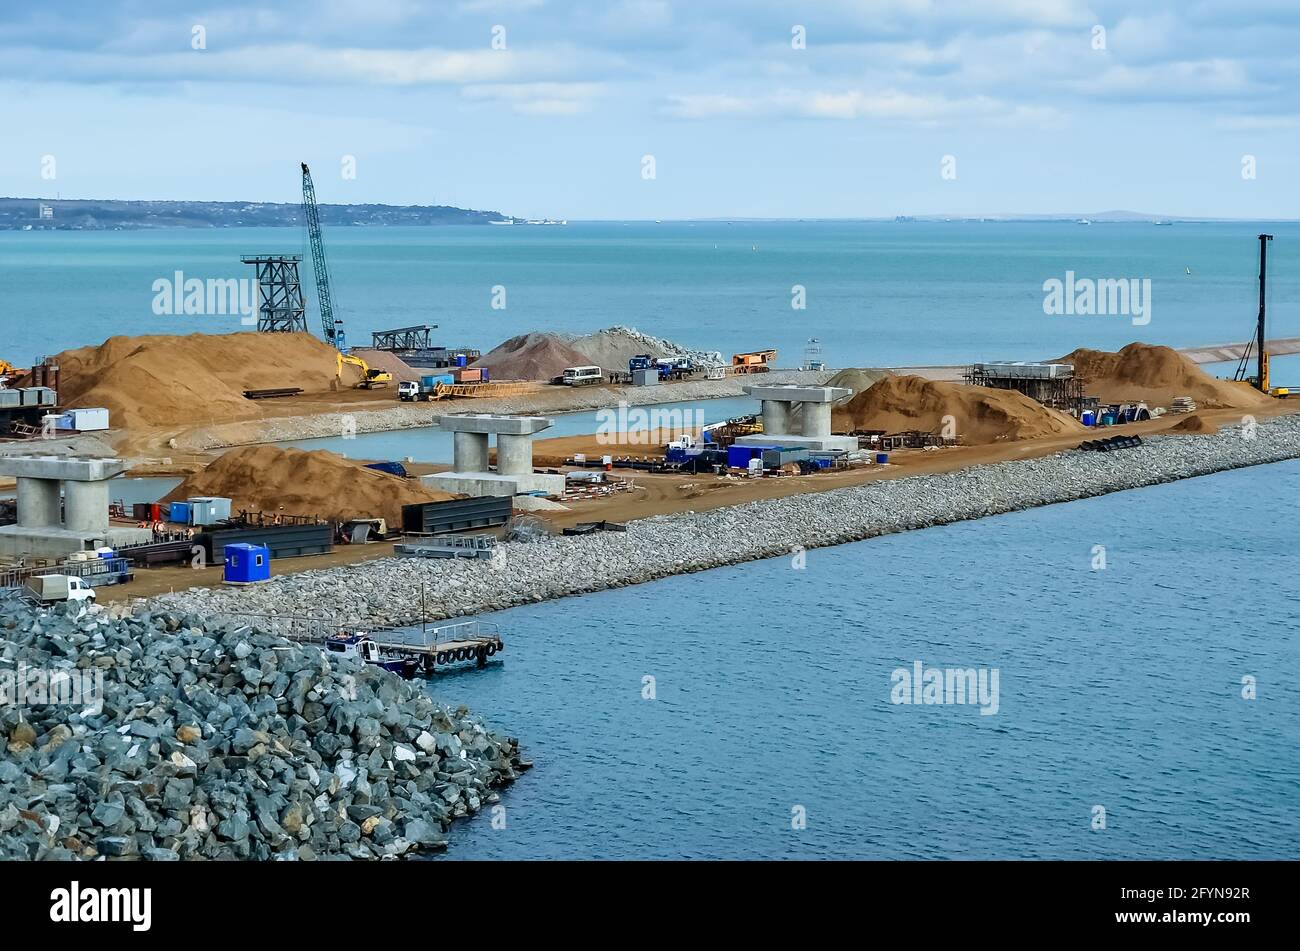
x: 613, y: 347
x: 1156, y: 374
x: 857, y: 380
x: 532, y: 356
x: 303, y: 482
x: 1194, y: 424
x: 983, y: 415
x: 163, y: 380
x: 383, y: 360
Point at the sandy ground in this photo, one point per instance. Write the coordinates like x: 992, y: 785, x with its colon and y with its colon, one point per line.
x: 675, y: 493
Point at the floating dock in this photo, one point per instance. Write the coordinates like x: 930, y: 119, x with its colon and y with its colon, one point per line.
x: 428, y: 648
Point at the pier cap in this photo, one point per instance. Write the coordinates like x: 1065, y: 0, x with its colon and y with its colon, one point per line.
x: 494, y: 424
x: 63, y: 468
x: 799, y: 394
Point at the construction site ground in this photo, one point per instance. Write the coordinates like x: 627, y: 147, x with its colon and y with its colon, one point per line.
x: 669, y: 493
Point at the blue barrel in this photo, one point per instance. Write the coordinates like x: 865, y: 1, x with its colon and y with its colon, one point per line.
x: 462, y: 360
x: 1107, y: 419
x: 1088, y: 418
x: 882, y: 458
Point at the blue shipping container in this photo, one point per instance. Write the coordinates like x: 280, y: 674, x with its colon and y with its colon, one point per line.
x: 738, y: 456
x: 179, y: 512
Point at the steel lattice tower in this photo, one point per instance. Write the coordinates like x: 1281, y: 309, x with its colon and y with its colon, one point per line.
x: 279, y: 293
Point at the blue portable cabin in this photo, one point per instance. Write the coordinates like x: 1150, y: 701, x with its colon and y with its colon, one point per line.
x: 246, y: 563
x: 738, y: 456
x: 179, y: 512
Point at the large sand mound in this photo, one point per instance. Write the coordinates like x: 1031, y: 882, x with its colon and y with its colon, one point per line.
x: 983, y: 415
x: 532, y: 356
x: 1156, y: 374
x: 383, y: 360
x: 857, y: 380
x: 162, y: 380
x: 305, y: 482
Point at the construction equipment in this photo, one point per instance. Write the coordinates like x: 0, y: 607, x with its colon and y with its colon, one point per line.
x: 7, y: 370
x: 371, y: 377
x: 1260, y: 380
x: 756, y: 361
x: 332, y: 325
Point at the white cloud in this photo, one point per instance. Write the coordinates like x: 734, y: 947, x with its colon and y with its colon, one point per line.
x: 886, y: 105
x: 550, y: 99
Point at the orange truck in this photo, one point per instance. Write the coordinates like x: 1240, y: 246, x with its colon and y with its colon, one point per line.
x: 757, y: 361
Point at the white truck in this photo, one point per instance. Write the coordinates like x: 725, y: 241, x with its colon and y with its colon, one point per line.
x: 50, y: 588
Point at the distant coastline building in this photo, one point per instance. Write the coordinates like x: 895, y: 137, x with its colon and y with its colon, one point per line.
x: 45, y: 212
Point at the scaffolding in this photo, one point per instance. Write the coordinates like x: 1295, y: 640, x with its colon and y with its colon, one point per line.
x: 1052, y: 384
x: 280, y: 306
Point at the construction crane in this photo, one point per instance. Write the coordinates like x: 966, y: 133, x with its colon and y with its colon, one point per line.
x: 1260, y: 380
x: 333, y: 326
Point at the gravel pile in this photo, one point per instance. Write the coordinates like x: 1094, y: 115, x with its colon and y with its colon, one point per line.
x: 612, y: 347
x: 387, y: 590
x: 224, y: 744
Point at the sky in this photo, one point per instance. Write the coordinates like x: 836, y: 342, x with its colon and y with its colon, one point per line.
x: 644, y: 109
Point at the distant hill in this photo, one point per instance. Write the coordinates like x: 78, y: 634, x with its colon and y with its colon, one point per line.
x: 109, y: 215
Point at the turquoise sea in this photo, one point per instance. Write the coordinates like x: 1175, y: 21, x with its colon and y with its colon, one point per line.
x: 877, y: 293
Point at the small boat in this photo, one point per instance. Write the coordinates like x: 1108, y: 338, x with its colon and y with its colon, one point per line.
x: 359, y: 644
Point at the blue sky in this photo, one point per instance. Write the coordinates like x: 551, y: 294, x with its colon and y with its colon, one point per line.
x: 1037, y: 114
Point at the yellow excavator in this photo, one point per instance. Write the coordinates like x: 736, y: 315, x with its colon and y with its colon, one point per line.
x: 7, y: 370
x: 371, y: 377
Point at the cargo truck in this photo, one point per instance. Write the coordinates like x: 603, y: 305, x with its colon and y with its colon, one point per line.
x: 51, y: 588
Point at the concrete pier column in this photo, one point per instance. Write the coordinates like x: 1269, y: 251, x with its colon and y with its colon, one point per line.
x: 816, y: 419
x: 86, y: 506
x: 776, y: 417
x: 38, y: 503
x: 514, y: 454
x: 469, y: 452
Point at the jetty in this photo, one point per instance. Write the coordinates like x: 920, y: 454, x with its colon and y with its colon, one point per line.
x: 420, y: 647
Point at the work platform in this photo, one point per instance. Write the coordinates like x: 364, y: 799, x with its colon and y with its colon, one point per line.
x: 421, y: 647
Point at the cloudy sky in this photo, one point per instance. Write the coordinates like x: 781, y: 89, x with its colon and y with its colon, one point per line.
x: 1041, y: 105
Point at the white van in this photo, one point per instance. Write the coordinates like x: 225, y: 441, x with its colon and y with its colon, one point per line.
x: 50, y: 588
x: 583, y: 376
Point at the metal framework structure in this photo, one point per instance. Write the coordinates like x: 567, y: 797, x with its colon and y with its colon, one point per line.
x: 1063, y: 393
x: 404, y: 338
x: 279, y: 293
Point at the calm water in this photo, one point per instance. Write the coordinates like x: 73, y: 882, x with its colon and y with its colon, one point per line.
x: 430, y: 444
x: 1118, y: 688
x: 878, y: 293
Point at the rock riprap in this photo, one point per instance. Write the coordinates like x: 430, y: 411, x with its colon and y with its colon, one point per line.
x: 211, y: 742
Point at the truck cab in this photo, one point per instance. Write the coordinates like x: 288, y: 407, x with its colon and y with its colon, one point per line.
x: 408, y: 391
